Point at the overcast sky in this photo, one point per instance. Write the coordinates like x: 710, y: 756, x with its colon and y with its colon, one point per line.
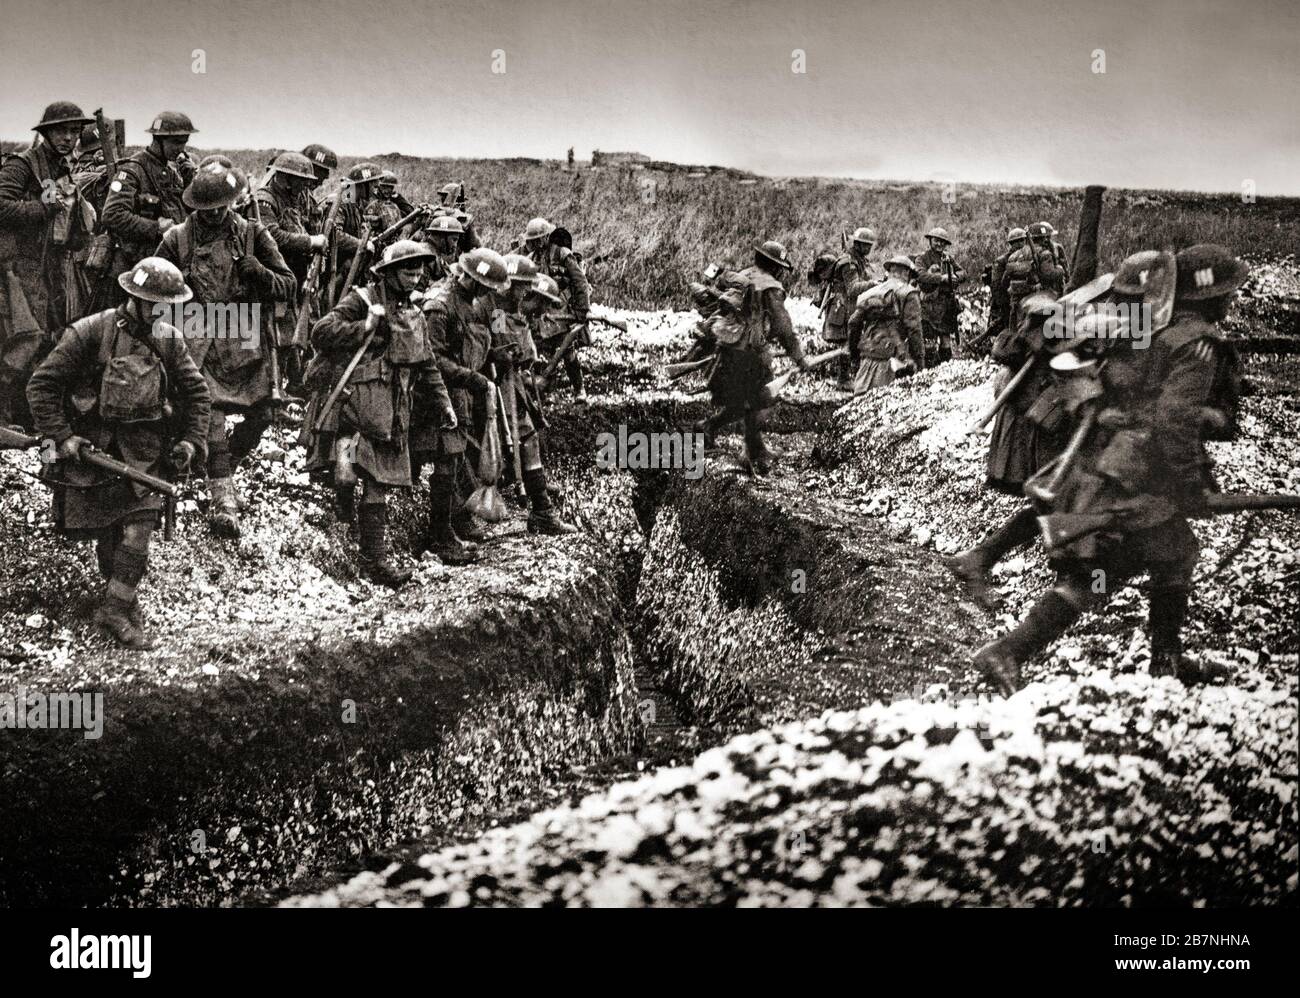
x: 1196, y: 94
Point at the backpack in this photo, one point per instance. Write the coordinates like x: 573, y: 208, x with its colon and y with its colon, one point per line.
x: 740, y: 318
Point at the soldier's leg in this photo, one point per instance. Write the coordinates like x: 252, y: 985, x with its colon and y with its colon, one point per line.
x: 716, y: 423
x: 573, y: 367
x: 1074, y: 593
x: 118, y: 618
x: 542, y: 519
x: 1172, y: 551
x: 246, y: 436
x: 756, y: 452
x: 372, y: 526
x: 972, y: 565
x: 443, y: 501
x: 223, y: 515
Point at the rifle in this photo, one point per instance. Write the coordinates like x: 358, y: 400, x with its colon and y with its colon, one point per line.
x: 107, y: 139
x: 339, y: 388
x: 311, y: 286
x: 11, y: 439
x: 379, y: 242
x: 273, y: 353
x: 563, y: 317
x: 675, y: 371
x: 563, y: 348
x: 775, y: 386
x: 1003, y: 397
x: 1060, y: 529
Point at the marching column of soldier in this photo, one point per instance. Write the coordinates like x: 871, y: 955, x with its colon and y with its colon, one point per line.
x: 415, y: 345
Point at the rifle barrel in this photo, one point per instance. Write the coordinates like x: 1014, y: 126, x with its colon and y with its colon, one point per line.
x: 1003, y: 396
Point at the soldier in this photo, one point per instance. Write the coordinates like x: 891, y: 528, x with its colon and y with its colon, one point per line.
x: 1122, y: 509
x: 442, y: 234
x: 451, y: 199
x: 999, y: 302
x: 939, y: 275
x: 850, y: 275
x: 366, y: 434
x: 352, y: 220
x: 1058, y: 251
x: 89, y: 171
x: 744, y: 366
x: 565, y: 267
x: 1031, y: 268
x: 124, y: 383
x: 44, y: 221
x: 885, y: 328
x: 387, y: 206
x: 324, y: 161
x: 1031, y: 428
x: 462, y: 345
x: 512, y: 353
x: 144, y: 199
x: 234, y: 268
x: 284, y: 207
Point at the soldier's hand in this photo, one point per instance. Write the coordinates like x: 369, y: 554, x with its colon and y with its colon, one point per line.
x: 318, y: 243
x: 182, y: 455
x: 70, y: 449
x: 250, y: 268
x: 449, y: 420
x: 480, y: 384
x: 373, y: 316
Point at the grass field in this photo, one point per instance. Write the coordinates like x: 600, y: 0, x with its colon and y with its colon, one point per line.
x: 649, y: 248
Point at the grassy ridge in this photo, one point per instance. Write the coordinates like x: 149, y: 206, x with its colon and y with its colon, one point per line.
x: 651, y: 250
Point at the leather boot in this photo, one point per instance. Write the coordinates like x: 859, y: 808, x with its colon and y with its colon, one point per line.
x: 466, y: 526
x: 223, y: 517
x: 757, y: 456
x: 113, y: 620
x: 442, y: 539
x: 1046, y: 621
x: 345, y: 505
x: 972, y: 566
x: 543, y: 518
x: 372, y: 522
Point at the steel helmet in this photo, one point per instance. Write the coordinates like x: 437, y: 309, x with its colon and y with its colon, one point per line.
x: 293, y: 164
x: 775, y: 252
x: 156, y: 279
x: 548, y: 289
x: 404, y: 251
x: 901, y: 260
x: 1016, y: 235
x: 214, y: 187
x: 538, y: 228
x: 448, y: 191
x: 388, y: 179
x: 939, y: 233
x: 1139, y: 271
x: 864, y: 234
x: 89, y: 140
x: 62, y: 112
x: 520, y: 268
x: 444, y: 224
x: 322, y: 157
x: 1208, y: 271
x: 364, y: 173
x: 1051, y: 229
x: 223, y: 161
x: 487, y: 267
x: 171, y: 123
x: 1040, y: 230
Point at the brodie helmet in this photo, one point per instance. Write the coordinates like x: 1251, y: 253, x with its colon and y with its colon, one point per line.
x: 157, y: 280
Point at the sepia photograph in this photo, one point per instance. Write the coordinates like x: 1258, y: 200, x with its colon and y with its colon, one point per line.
x: 689, y: 454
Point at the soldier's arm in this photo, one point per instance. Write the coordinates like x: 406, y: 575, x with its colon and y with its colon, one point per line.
x: 1176, y: 416
x: 437, y: 322
x: 18, y: 212
x: 958, y: 274
x: 779, y: 323
x: 191, y: 390
x: 856, y: 321
x: 912, y: 327
x: 120, y: 215
x: 469, y: 239
x: 75, y: 352
x: 278, y: 283
x: 579, y: 292
x: 403, y: 205
x: 343, y: 327
x: 927, y: 280
x: 296, y: 243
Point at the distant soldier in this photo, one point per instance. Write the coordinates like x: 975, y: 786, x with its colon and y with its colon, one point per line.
x: 462, y: 344
x: 352, y: 218
x: 1058, y: 251
x: 744, y: 367
x: 366, y: 434
x: 1032, y: 268
x: 89, y: 171
x: 565, y: 267
x: 122, y: 382
x: 387, y: 206
x: 850, y: 275
x: 442, y: 233
x: 236, y: 271
x: 1122, y: 508
x: 512, y: 355
x: 938, y: 275
x: 999, y: 302
x: 885, y: 328
x: 144, y: 198
x: 44, y: 221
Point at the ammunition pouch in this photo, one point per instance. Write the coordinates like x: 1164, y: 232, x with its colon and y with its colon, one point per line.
x: 369, y: 403
x: 1048, y: 410
x: 100, y: 254
x: 149, y: 206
